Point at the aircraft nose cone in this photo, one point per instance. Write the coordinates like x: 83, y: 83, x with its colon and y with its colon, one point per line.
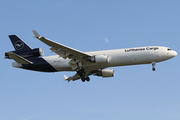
x: 175, y: 53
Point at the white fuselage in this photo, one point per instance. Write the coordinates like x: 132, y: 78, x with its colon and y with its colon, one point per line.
x: 118, y: 57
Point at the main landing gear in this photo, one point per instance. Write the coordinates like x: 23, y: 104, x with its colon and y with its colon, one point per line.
x: 153, y: 64
x: 85, y: 78
x: 82, y: 74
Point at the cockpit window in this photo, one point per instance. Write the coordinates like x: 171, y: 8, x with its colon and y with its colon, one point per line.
x: 169, y: 49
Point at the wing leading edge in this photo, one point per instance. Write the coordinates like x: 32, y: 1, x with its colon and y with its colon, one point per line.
x: 62, y: 50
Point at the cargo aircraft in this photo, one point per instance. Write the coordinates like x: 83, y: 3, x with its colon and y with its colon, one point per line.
x: 84, y: 63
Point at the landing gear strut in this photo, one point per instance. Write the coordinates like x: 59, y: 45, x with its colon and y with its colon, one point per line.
x: 153, y: 64
x: 82, y: 74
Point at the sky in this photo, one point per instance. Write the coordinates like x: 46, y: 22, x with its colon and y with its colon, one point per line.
x: 135, y: 93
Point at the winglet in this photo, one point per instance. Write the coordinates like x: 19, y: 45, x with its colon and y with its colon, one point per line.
x: 36, y: 34
x: 66, y: 78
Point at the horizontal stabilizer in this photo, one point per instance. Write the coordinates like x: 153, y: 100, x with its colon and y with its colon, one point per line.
x: 18, y: 58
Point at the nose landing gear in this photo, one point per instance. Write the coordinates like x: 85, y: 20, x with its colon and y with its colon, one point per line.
x: 153, y: 64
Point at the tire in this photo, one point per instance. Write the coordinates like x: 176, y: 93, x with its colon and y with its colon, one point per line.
x: 88, y: 79
x: 83, y: 79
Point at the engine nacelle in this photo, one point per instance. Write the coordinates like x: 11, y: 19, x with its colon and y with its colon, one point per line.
x: 34, y: 53
x: 100, y: 59
x: 26, y: 54
x: 106, y: 73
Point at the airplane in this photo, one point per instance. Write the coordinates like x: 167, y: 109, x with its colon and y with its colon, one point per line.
x: 84, y: 63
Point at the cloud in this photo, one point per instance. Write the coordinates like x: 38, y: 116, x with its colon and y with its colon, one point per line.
x: 106, y: 40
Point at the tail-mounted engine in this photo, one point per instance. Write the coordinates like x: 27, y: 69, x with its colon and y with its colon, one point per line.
x: 105, y: 73
x: 99, y: 59
x: 27, y: 54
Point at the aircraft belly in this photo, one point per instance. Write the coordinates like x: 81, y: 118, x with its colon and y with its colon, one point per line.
x: 62, y: 66
x: 39, y: 64
x: 58, y: 63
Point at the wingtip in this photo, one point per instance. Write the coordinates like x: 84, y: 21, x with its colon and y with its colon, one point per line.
x: 36, y: 34
x: 65, y: 77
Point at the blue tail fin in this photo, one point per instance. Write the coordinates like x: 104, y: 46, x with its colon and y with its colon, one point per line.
x: 19, y: 44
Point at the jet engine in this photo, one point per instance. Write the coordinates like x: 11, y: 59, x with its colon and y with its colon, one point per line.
x: 105, y: 73
x: 27, y: 54
x: 99, y: 59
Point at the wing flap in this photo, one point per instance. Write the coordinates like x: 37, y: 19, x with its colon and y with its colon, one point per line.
x: 18, y: 58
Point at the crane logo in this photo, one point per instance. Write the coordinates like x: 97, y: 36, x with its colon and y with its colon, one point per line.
x: 19, y: 45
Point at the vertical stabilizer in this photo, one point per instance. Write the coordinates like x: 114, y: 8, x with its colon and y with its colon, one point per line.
x: 19, y: 44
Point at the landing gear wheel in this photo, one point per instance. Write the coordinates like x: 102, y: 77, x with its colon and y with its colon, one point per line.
x: 83, y: 79
x: 88, y: 79
x: 82, y: 74
x: 153, y: 64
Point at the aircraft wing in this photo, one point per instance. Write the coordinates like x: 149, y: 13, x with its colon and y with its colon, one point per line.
x: 18, y: 58
x: 62, y: 50
x: 76, y: 76
x: 73, y: 78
